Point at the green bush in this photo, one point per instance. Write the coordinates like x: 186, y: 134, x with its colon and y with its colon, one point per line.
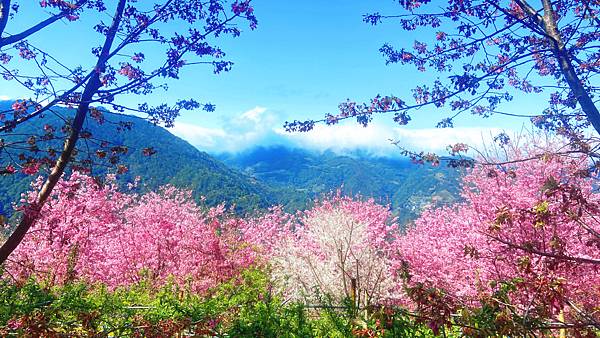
x: 242, y: 307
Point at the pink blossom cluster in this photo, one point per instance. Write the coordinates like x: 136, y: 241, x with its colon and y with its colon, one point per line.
x: 100, y: 234
x: 341, y: 247
x: 131, y: 72
x: 531, y: 222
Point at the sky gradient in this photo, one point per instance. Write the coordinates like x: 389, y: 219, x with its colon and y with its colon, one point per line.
x: 303, y: 60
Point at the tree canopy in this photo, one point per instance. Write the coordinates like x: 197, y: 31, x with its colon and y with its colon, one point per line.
x: 487, y: 51
x: 127, y: 30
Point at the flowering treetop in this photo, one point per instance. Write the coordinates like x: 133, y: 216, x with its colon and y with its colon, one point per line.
x: 127, y: 29
x: 529, y: 224
x: 99, y: 233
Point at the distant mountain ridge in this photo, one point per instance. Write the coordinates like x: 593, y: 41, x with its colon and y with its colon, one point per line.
x: 406, y: 186
x: 175, y: 162
x: 253, y: 179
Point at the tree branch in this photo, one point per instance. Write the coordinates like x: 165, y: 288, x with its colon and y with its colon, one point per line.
x: 531, y: 12
x: 31, y: 30
x: 564, y: 61
x: 31, y: 215
x: 580, y: 260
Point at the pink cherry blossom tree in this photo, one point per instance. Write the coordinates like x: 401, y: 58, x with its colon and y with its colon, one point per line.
x: 529, y: 225
x: 339, y: 248
x: 100, y: 234
x: 119, y: 67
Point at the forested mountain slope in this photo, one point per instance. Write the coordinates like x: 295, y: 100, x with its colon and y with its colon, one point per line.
x: 175, y: 161
x: 301, y: 174
x: 250, y: 180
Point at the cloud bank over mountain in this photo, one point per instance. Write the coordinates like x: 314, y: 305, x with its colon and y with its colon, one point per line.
x: 260, y: 127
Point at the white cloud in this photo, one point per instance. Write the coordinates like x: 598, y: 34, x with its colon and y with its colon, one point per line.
x: 377, y: 138
x: 254, y: 114
x: 200, y: 137
x: 436, y: 139
x: 247, y: 130
x: 4, y: 98
x: 260, y: 127
x: 341, y: 138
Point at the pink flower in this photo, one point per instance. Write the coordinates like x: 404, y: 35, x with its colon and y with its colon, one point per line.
x: 130, y: 72
x: 31, y: 169
x: 122, y: 237
x: 10, y: 169
x: 19, y: 106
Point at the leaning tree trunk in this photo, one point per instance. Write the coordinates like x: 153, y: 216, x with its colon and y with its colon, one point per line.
x: 32, y: 212
x: 4, y: 12
x: 586, y: 103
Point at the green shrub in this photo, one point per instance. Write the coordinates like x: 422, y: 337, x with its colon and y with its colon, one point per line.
x: 242, y: 307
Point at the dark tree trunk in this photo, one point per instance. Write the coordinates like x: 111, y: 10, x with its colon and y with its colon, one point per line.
x: 4, y: 11
x: 32, y: 213
x: 566, y: 66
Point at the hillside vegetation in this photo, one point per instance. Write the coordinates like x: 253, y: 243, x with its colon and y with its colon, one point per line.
x: 251, y: 180
x: 175, y: 162
x: 298, y: 175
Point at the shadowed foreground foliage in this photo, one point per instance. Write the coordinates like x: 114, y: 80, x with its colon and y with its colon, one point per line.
x: 242, y: 307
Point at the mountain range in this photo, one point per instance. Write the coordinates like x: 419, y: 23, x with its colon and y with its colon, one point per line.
x: 251, y: 180
x: 301, y: 175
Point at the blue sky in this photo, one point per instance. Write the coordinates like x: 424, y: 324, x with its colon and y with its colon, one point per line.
x: 303, y: 60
